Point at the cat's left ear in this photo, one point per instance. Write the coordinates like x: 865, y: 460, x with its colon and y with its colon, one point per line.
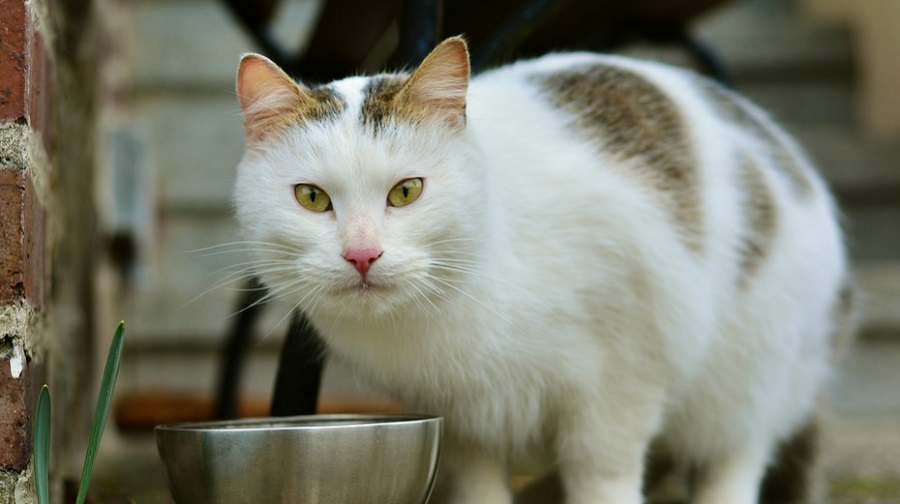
x: 440, y: 83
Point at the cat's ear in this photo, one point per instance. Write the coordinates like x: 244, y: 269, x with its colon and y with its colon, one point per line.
x: 440, y: 83
x: 266, y: 95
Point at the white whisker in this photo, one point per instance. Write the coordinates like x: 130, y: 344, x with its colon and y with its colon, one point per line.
x: 251, y: 266
x: 422, y: 307
x: 237, y: 276
x: 256, y: 245
x: 453, y: 240
x: 473, y: 298
x: 294, y: 308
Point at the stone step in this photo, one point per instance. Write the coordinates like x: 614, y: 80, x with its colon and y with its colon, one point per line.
x: 772, y: 40
x: 852, y: 164
x: 194, y: 145
x: 190, y: 46
x: 879, y: 284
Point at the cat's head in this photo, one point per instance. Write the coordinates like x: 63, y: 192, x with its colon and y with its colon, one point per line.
x: 365, y: 196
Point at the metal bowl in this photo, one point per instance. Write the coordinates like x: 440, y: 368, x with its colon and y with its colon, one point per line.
x: 318, y: 459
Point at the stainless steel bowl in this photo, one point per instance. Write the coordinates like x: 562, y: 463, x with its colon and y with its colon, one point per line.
x: 319, y: 459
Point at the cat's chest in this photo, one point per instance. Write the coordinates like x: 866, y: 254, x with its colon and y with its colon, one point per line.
x: 486, y: 394
x: 419, y: 354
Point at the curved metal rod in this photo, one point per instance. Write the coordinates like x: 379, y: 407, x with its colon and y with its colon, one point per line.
x: 300, y: 366
x: 299, y: 370
x: 513, y: 31
x: 235, y: 351
x: 420, y: 27
x: 709, y: 61
x: 254, y: 23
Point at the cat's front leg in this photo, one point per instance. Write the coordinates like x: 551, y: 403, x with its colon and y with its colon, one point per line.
x: 601, y: 455
x: 733, y: 478
x: 471, y: 476
x: 587, y: 482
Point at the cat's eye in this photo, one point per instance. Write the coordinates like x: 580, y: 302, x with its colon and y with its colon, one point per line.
x: 405, y: 192
x: 312, y: 198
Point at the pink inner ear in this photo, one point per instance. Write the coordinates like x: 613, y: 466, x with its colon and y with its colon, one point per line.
x: 264, y: 92
x: 250, y: 74
x: 259, y: 77
x: 441, y: 81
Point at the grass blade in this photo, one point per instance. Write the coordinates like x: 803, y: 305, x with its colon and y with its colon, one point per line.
x: 107, y: 385
x: 42, y: 446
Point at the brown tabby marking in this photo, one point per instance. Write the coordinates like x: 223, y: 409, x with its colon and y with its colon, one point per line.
x: 786, y: 161
x: 628, y: 116
x: 323, y: 104
x: 380, y: 104
x: 306, y: 106
x: 761, y: 216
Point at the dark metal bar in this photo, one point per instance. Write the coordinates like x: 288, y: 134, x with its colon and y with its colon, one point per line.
x: 513, y: 31
x: 420, y: 27
x: 254, y: 23
x: 236, y: 348
x: 299, y: 370
x: 710, y: 62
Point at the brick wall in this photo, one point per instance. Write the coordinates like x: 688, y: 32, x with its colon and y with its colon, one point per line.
x: 45, y: 233
x: 24, y: 135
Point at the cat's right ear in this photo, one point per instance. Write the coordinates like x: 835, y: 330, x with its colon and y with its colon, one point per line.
x: 440, y: 83
x: 267, y: 95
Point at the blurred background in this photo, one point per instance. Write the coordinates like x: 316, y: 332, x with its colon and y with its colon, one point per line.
x: 164, y: 136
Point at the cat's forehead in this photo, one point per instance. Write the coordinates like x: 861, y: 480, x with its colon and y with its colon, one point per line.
x: 370, y: 100
x: 350, y: 89
x: 331, y: 149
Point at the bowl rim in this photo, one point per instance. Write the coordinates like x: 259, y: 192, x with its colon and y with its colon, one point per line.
x: 300, y: 422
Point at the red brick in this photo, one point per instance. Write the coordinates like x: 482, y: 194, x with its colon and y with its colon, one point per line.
x: 15, y: 45
x: 12, y: 235
x: 35, y: 259
x: 15, y: 448
x: 22, y: 251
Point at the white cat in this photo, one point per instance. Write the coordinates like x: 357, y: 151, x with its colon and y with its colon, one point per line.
x: 568, y: 258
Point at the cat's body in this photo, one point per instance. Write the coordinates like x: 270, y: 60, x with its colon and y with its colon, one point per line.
x: 604, y: 253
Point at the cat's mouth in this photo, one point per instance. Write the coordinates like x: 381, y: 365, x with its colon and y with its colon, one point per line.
x: 366, y: 287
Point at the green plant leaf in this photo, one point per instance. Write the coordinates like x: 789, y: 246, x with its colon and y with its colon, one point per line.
x: 42, y: 446
x: 107, y: 385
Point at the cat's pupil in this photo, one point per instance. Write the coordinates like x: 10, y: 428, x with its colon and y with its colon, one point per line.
x: 405, y: 191
x: 312, y: 196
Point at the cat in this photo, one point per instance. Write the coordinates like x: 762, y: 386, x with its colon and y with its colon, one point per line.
x: 571, y: 259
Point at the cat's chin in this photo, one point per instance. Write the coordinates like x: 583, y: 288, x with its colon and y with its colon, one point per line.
x: 373, y: 300
x: 368, y: 298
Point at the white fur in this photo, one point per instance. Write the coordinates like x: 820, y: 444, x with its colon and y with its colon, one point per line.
x: 574, y: 325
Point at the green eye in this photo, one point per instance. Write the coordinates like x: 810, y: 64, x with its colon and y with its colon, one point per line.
x: 312, y: 198
x: 405, y: 192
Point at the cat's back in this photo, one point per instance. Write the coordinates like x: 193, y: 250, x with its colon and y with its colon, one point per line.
x: 677, y: 168
x: 576, y: 82
x: 626, y: 108
x: 685, y: 137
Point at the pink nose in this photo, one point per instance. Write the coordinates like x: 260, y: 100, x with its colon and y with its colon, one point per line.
x: 362, y: 259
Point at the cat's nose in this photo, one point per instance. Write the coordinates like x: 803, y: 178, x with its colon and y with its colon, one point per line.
x: 362, y: 259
